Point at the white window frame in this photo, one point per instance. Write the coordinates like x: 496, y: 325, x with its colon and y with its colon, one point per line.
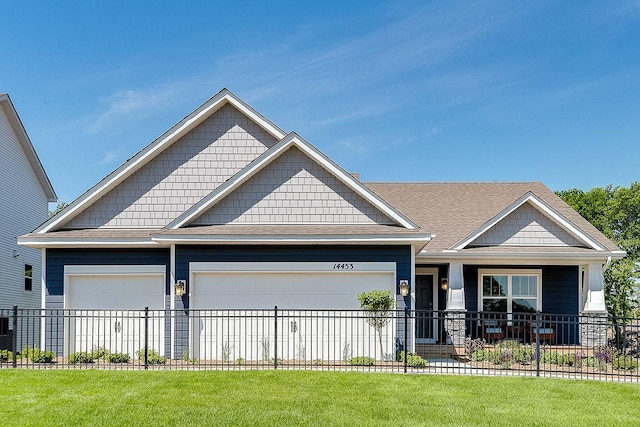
x: 510, y: 273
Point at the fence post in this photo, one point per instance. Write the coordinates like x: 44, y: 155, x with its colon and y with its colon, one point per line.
x: 146, y: 338
x: 14, y: 337
x: 406, y: 311
x: 275, y: 341
x: 538, y: 355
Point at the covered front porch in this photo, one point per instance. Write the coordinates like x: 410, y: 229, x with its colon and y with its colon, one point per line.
x: 557, y: 303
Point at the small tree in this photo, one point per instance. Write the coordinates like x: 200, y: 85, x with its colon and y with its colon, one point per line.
x: 378, y: 305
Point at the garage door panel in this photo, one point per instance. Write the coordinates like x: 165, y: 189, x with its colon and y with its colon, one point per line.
x: 106, y: 311
x: 301, y: 290
x: 243, y: 330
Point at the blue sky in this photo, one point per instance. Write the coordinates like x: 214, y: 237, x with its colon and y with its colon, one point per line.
x: 395, y: 90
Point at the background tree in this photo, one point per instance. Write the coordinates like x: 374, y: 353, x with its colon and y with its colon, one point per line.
x: 616, y: 213
x: 59, y: 207
x: 378, y: 305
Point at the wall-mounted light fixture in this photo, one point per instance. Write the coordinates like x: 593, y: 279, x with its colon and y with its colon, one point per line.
x: 180, y: 287
x: 404, y: 288
x: 444, y: 284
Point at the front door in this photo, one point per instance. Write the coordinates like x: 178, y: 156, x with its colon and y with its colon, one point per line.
x: 425, y: 321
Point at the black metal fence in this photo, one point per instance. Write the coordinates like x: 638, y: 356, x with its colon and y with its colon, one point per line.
x: 475, y: 343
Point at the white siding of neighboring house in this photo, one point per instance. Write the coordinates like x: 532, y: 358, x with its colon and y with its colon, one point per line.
x: 23, y: 206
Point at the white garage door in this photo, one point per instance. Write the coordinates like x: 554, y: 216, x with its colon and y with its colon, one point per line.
x: 107, y: 304
x: 233, y: 309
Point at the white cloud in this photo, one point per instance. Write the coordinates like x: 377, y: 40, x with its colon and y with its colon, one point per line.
x: 108, y: 157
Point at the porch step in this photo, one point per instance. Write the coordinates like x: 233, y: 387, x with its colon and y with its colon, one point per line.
x: 435, y: 350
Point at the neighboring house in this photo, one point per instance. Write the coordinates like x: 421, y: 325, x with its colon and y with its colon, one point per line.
x: 25, y: 193
x: 250, y: 217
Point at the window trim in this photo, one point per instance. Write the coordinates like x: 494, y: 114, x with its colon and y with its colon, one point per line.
x: 510, y: 273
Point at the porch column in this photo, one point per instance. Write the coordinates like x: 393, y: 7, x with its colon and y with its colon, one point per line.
x: 454, y: 324
x: 594, y: 314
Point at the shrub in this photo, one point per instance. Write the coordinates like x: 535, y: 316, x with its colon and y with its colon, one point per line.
x: 362, y: 361
x: 99, y: 353
x: 414, y: 360
x: 153, y: 358
x: 36, y: 355
x: 480, y: 355
x: 555, y: 358
x: 472, y: 345
x: 81, y: 357
x: 117, y: 358
x: 625, y: 363
x: 6, y: 356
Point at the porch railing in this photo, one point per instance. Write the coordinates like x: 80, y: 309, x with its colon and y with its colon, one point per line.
x: 477, y: 343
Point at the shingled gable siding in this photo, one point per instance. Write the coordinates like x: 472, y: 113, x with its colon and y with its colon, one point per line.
x: 181, y: 175
x: 527, y: 226
x: 559, y: 292
x: 293, y: 189
x: 58, y: 258
x: 401, y: 255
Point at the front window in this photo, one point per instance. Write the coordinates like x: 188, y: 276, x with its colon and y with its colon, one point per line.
x: 514, y: 291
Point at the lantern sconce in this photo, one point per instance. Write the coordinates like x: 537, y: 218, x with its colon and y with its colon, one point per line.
x: 444, y: 284
x: 404, y: 288
x: 180, y: 288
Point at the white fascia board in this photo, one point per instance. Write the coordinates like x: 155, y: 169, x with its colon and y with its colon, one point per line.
x: 157, y: 146
x: 279, y: 239
x: 85, y: 243
x: 538, y: 257
x: 529, y: 197
x: 269, y: 156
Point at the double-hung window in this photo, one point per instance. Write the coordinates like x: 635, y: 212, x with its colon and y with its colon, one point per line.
x: 510, y: 291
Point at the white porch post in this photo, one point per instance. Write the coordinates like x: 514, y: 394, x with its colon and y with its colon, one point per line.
x: 594, y: 280
x: 455, y: 293
x: 454, y: 324
x: 594, y: 315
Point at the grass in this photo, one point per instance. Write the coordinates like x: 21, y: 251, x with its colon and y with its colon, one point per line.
x: 268, y: 398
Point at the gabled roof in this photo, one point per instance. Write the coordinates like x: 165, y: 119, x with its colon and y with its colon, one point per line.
x: 457, y: 213
x: 154, y: 148
x: 537, y: 202
x: 291, y: 140
x: 14, y: 120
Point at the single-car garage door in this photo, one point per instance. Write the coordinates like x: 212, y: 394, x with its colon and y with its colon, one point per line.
x: 233, y: 303
x: 106, y: 307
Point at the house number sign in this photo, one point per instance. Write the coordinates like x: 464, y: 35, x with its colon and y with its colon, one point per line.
x: 344, y: 266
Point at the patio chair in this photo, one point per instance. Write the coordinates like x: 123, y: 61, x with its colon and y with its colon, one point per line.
x: 546, y: 331
x: 493, y: 329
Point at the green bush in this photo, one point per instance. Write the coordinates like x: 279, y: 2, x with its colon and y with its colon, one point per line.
x: 81, y: 357
x: 6, y: 356
x: 555, y: 358
x: 117, y: 358
x: 36, y: 355
x: 362, y: 361
x: 625, y: 363
x: 153, y: 358
x: 414, y: 360
x: 99, y: 353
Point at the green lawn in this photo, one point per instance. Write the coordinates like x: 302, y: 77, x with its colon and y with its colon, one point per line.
x: 272, y: 398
